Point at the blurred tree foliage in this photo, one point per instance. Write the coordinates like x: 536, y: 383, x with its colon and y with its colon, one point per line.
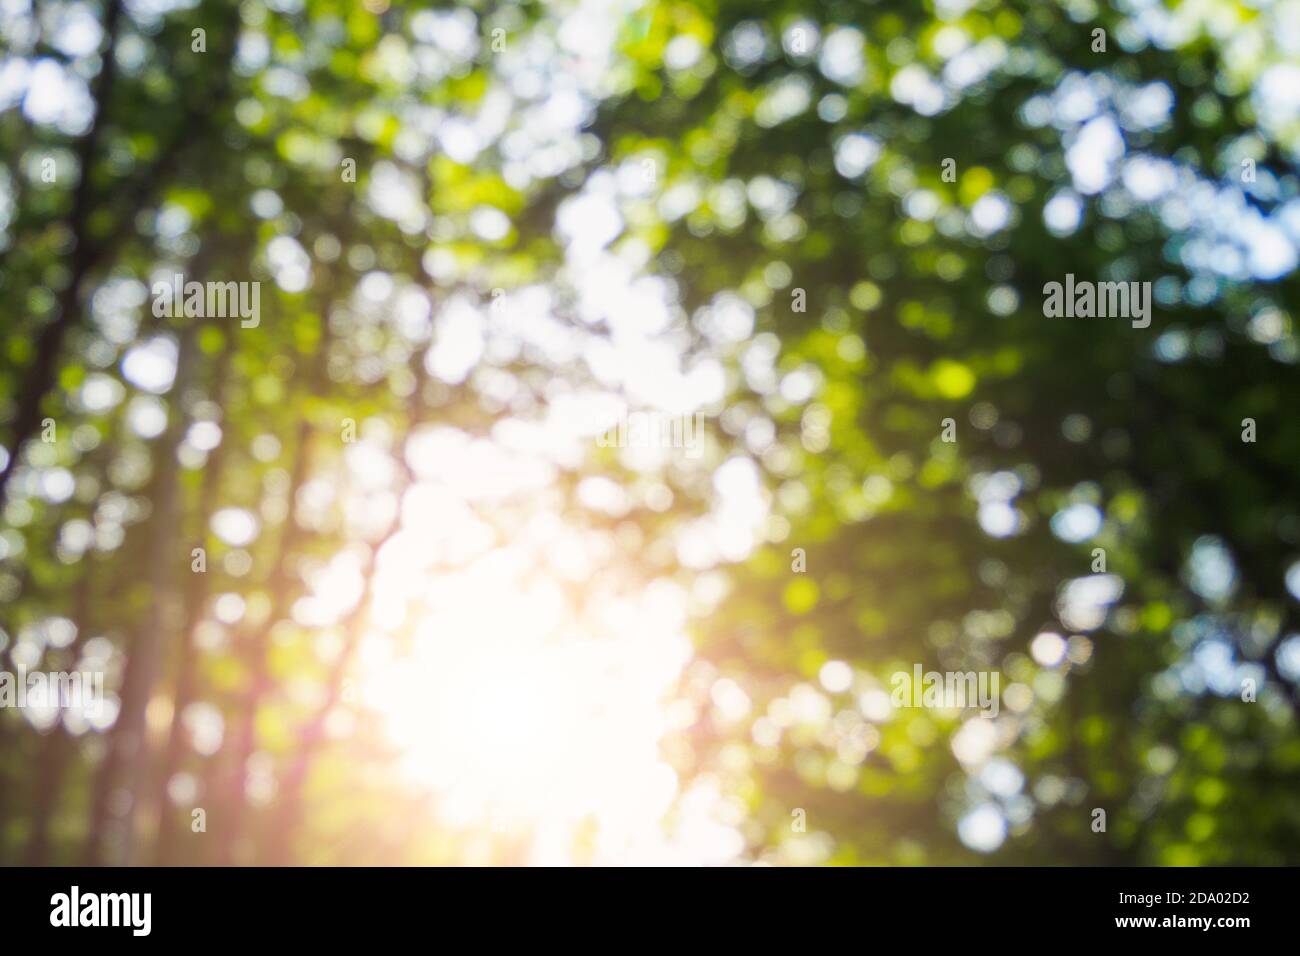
x: 800, y: 153
x: 954, y: 554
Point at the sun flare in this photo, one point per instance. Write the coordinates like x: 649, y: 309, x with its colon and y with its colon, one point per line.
x: 526, y: 679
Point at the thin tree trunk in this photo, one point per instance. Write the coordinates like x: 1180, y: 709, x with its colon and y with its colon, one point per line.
x: 49, y: 343
x: 245, y: 739
x: 187, y: 664
x: 233, y: 804
x: 133, y: 196
x: 117, y: 788
x: 59, y: 743
x: 289, y: 805
x: 51, y: 759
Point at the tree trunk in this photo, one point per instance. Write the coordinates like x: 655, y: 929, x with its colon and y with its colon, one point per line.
x: 234, y: 801
x: 288, y: 812
x: 59, y: 745
x: 49, y: 343
x: 117, y: 790
x: 187, y: 664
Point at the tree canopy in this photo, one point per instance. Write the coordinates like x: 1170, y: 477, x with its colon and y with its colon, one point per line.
x: 397, y: 564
